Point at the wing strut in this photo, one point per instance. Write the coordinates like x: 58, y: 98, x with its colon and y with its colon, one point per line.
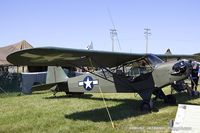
x: 90, y: 60
x: 112, y: 123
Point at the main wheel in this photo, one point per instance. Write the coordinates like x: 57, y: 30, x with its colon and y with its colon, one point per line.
x: 170, y: 99
x: 146, y: 106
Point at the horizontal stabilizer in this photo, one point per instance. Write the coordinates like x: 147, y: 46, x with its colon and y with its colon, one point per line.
x: 43, y: 87
x: 51, y: 86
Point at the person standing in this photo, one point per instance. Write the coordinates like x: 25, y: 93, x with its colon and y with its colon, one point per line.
x: 195, y: 76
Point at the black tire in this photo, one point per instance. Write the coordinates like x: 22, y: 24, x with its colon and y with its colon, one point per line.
x: 170, y: 99
x: 146, y: 107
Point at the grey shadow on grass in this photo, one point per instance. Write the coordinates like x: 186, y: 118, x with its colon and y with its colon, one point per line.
x: 85, y: 96
x: 128, y: 108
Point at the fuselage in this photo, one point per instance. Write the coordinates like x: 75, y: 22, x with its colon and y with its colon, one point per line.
x: 132, y: 77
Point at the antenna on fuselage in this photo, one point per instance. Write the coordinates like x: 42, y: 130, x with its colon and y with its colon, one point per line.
x: 113, y: 33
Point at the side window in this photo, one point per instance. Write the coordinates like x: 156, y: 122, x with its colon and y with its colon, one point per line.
x: 134, y: 71
x: 144, y: 67
x: 138, y: 67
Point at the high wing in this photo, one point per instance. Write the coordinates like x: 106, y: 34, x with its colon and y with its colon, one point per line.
x: 53, y: 56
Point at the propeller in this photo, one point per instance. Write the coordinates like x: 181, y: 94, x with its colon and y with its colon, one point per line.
x: 181, y: 67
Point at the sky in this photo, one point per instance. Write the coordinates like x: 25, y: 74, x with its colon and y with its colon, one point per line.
x: 174, y: 24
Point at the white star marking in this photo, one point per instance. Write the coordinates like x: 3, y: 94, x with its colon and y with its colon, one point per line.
x: 88, y: 83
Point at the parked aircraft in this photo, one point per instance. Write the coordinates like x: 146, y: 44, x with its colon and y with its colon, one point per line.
x: 145, y: 74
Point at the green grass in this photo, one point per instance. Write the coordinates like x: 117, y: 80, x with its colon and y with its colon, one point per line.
x: 41, y: 112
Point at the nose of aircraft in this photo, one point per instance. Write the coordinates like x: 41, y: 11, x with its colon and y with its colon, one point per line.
x: 182, y: 67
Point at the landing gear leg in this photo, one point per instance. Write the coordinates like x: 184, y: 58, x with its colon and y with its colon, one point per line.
x: 147, y: 104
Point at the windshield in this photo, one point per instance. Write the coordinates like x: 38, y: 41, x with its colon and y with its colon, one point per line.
x: 154, y: 60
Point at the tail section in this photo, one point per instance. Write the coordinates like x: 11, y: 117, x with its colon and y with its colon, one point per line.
x: 56, y: 74
x: 56, y: 80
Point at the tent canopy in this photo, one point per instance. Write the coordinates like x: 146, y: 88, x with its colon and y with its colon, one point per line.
x: 5, y: 51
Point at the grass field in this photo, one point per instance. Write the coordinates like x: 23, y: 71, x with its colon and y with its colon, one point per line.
x: 41, y: 112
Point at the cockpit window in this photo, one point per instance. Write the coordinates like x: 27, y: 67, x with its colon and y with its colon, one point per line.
x: 136, y: 68
x: 141, y: 66
x: 154, y: 60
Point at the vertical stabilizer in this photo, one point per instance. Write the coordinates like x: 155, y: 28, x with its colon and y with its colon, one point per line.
x: 55, y: 74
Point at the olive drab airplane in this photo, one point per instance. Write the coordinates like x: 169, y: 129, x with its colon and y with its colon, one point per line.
x: 145, y: 74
